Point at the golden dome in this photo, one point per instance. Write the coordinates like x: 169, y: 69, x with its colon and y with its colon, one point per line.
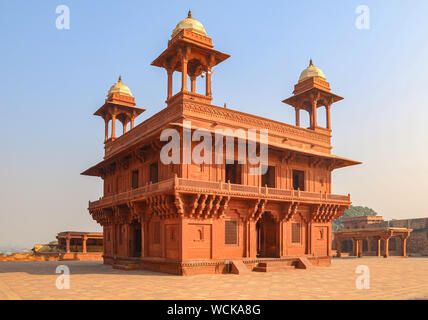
x: 190, y: 24
x: 310, y: 72
x: 119, y: 87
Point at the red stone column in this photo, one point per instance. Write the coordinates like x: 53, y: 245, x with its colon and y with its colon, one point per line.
x: 356, y: 247
x: 84, y: 239
x: 279, y: 239
x: 124, y: 127
x: 208, y: 82
x: 403, y: 246
x: 338, y: 247
x: 193, y: 83
x: 327, y: 116
x: 314, y: 114
x: 252, y: 234
x: 106, y: 130
x: 143, y: 242
x: 169, y: 92
x: 297, y: 116
x: 184, y: 74
x: 360, y: 248
x: 67, y: 244
x: 386, y: 247
x: 113, y: 126
x: 378, y: 247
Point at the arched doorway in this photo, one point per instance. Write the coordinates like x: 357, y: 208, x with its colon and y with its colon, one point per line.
x: 267, y: 236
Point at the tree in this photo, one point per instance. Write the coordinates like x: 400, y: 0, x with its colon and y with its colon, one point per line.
x: 353, y: 211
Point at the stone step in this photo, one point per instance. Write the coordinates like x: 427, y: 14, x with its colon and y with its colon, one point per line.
x: 238, y: 267
x: 272, y: 267
x: 304, y: 263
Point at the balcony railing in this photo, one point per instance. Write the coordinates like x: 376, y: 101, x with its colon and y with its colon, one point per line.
x: 207, y: 187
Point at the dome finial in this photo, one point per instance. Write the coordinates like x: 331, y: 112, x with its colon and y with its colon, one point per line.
x: 311, y: 71
x: 190, y: 24
x: 120, y: 78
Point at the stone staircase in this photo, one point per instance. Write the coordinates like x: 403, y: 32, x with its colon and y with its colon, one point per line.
x: 272, y: 267
x: 276, y: 266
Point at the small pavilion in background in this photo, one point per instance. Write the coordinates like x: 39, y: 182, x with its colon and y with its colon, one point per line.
x: 371, y: 240
x: 75, y: 241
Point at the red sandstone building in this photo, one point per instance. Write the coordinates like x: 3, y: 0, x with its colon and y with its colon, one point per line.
x: 192, y: 218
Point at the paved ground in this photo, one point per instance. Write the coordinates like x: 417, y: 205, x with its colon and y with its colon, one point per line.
x: 394, y: 278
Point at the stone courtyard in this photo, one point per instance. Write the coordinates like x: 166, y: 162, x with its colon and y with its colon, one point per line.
x: 393, y: 278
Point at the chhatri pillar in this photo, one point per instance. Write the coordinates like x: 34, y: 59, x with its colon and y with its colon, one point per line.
x: 310, y: 93
x: 191, y: 52
x: 119, y: 105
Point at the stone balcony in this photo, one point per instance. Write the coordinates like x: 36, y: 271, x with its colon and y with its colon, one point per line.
x: 186, y: 186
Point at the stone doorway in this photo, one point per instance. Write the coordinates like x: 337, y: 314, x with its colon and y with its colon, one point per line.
x: 267, y: 236
x: 135, y: 240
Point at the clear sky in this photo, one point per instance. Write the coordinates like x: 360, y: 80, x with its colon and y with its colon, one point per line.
x: 53, y: 80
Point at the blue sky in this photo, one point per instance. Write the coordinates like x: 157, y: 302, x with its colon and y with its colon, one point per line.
x: 53, y: 80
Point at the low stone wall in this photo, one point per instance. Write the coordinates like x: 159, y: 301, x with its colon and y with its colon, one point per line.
x: 31, y: 257
x: 53, y: 256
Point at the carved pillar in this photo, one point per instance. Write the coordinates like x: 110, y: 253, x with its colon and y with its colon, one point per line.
x: 84, y: 239
x: 184, y: 73
x: 67, y: 244
x: 124, y: 124
x: 338, y: 247
x: 356, y: 247
x: 170, y: 73
x: 327, y: 116
x: 114, y: 239
x: 193, y: 84
x: 143, y: 236
x: 360, y: 248
x: 378, y: 247
x: 252, y: 239
x: 113, y: 125
x: 403, y: 246
x: 386, y: 247
x: 127, y: 243
x: 208, y: 82
x: 280, y: 238
x: 106, y: 129
x: 314, y: 114
x: 297, y: 116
